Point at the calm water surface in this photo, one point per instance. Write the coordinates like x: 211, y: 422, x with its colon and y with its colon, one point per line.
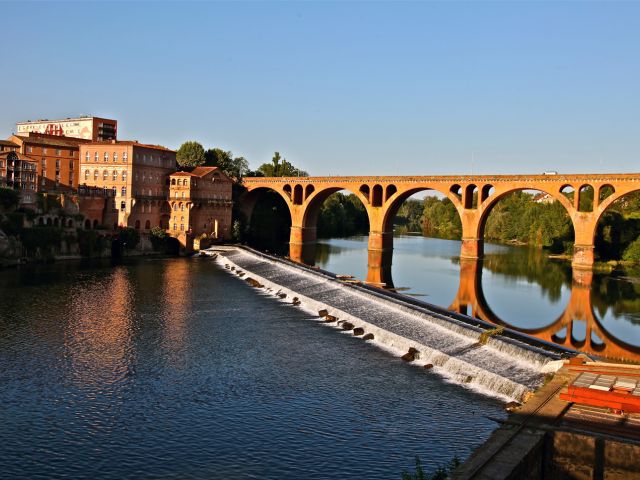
x: 175, y: 369
x: 517, y: 286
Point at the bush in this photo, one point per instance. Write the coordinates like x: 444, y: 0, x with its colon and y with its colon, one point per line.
x: 9, y: 198
x: 13, y: 223
x: 129, y: 238
x: 158, y: 238
x: 632, y: 253
x: 43, y: 238
x: 441, y: 473
x: 90, y: 242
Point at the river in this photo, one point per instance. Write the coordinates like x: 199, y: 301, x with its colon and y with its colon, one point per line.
x: 516, y: 286
x: 176, y: 369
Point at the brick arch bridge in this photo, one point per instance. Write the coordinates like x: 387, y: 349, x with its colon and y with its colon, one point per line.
x: 473, y: 196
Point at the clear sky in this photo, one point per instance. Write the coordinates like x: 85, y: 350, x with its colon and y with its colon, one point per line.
x: 342, y: 88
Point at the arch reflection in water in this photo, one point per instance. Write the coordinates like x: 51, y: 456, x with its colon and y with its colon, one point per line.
x: 577, y: 315
x: 523, y: 289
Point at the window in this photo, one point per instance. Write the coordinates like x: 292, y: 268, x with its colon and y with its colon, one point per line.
x: 175, y: 227
x: 58, y: 152
x: 95, y: 174
x: 86, y: 175
x: 122, y: 206
x: 106, y: 156
x: 124, y: 157
x: 115, y: 156
x: 57, y: 164
x: 43, y: 182
x: 123, y: 191
x: 175, y: 206
x: 44, y: 151
x: 71, y: 165
x: 115, y: 175
x: 182, y: 194
x: 29, y: 149
x: 96, y: 157
x: 182, y: 227
x: 182, y: 207
x: 105, y: 174
x: 87, y: 156
x: 114, y: 191
x: 124, y: 176
x: 44, y: 163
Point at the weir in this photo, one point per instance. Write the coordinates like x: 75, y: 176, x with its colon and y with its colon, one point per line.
x: 463, y: 350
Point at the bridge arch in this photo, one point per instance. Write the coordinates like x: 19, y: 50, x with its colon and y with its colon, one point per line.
x: 399, y: 197
x: 491, y: 202
x: 277, y: 217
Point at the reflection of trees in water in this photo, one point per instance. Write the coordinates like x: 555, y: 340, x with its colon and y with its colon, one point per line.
x: 534, y: 266
x: 615, y: 295
x: 270, y: 224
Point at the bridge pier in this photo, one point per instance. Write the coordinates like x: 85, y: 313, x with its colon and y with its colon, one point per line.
x: 302, y: 244
x: 472, y: 248
x: 583, y: 256
x: 379, y: 258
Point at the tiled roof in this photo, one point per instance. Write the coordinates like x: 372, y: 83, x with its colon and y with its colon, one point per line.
x: 202, y: 171
x: 8, y: 143
x: 21, y: 156
x: 197, y: 172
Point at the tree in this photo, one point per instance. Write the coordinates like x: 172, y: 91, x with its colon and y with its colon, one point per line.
x: 9, y: 198
x: 190, y: 154
x: 280, y: 167
x: 234, y: 167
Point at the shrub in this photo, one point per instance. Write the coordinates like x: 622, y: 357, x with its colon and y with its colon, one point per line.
x: 632, y: 252
x: 158, y: 238
x: 9, y: 198
x: 129, y: 237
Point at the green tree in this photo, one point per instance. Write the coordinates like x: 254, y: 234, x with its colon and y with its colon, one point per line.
x: 9, y: 198
x: 280, y: 167
x: 129, y: 237
x: 190, y: 154
x: 234, y: 167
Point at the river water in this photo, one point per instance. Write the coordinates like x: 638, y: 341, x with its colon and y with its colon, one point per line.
x: 516, y: 286
x: 176, y: 369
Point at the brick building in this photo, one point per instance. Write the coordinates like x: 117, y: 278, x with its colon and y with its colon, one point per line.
x: 137, y: 176
x: 7, y: 146
x: 57, y: 158
x: 87, y: 128
x: 18, y: 171
x: 200, y: 202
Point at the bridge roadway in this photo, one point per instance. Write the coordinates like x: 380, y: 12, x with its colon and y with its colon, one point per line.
x: 474, y: 196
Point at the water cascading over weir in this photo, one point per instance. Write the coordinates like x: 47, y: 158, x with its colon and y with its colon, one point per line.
x: 495, y: 362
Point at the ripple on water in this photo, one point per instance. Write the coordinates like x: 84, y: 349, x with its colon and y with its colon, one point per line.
x: 175, y: 369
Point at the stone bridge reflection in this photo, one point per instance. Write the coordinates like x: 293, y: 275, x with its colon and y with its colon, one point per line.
x: 470, y: 300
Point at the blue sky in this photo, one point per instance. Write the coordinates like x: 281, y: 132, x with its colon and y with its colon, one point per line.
x: 343, y: 88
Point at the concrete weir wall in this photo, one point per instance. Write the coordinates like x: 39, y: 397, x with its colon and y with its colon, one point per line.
x: 505, y: 366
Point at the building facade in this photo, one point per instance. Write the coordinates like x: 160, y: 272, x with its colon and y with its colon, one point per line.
x: 201, y: 205
x: 7, y: 146
x: 57, y: 158
x: 137, y: 177
x: 18, y: 171
x: 86, y: 128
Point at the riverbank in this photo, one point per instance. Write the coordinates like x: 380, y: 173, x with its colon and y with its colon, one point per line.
x: 462, y: 350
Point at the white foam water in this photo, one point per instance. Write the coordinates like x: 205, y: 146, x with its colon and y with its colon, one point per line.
x: 503, y: 367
